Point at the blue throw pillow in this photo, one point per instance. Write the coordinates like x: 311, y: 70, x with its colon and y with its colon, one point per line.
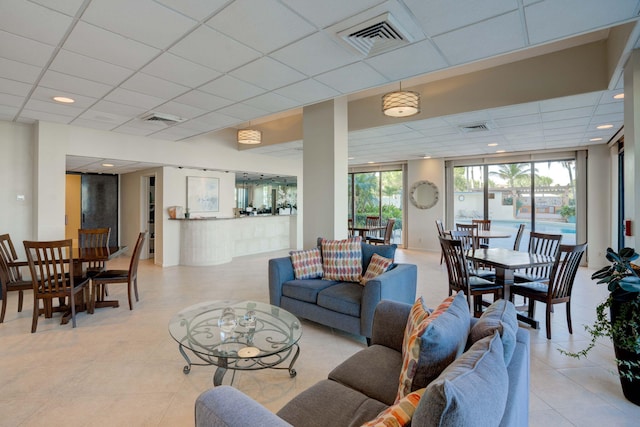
x: 386, y: 251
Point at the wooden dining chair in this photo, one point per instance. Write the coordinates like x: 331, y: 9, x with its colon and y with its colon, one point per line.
x: 11, y: 282
x: 468, y: 242
x: 388, y: 233
x: 94, y: 238
x: 441, y: 233
x: 483, y: 224
x: 471, y: 228
x: 130, y: 277
x: 539, y: 244
x: 461, y: 280
x: 558, y: 289
x: 350, y: 227
x: 519, y: 233
x: 372, y: 221
x: 50, y: 264
x: 11, y: 257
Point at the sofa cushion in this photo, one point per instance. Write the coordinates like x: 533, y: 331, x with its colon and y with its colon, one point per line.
x: 328, y: 403
x: 500, y: 316
x: 472, y: 391
x: 305, y: 290
x: 444, y: 339
x: 416, y: 325
x: 356, y: 372
x: 377, y: 266
x: 342, y: 297
x: 387, y: 251
x: 399, y: 414
x: 307, y: 264
x: 342, y: 259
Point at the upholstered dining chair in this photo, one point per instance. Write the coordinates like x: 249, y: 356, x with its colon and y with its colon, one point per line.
x: 558, y: 289
x: 130, y: 276
x: 388, y: 233
x: 539, y: 244
x: 94, y: 238
x: 50, y: 264
x: 10, y: 281
x: 461, y: 280
x: 483, y: 224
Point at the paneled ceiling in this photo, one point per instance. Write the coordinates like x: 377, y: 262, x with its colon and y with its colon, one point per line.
x: 220, y: 63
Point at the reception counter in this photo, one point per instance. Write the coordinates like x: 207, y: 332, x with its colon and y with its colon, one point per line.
x: 212, y: 241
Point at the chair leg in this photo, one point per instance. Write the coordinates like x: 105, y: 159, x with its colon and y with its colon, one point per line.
x: 548, y: 319
x: 532, y: 308
x: 569, y: 317
x: 4, y: 306
x: 20, y: 300
x: 129, y: 294
x: 72, y: 303
x: 135, y: 287
x: 36, y: 313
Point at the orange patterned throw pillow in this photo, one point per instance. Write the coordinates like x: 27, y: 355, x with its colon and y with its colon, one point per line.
x: 417, y: 323
x: 342, y: 259
x: 400, y: 414
x: 377, y: 266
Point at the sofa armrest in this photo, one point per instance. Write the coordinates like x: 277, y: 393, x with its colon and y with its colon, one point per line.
x: 224, y: 406
x: 397, y: 284
x: 280, y: 271
x: 389, y: 323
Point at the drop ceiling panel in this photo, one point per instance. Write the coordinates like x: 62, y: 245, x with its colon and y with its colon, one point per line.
x: 154, y: 86
x: 568, y: 102
x: 68, y: 7
x: 271, y: 102
x: 231, y: 88
x: 72, y: 84
x: 214, y: 50
x: 484, y: 39
x: 24, y: 50
x: 352, y: 78
x: 242, y: 111
x: 33, y: 21
x: 113, y: 48
x: 89, y: 68
x: 215, y: 120
x: 507, y: 122
x: 307, y: 91
x: 270, y: 74
x: 53, y: 107
x: 327, y: 55
x: 47, y: 94
x: 178, y: 70
x: 198, y: 10
x: 265, y: 25
x: 328, y: 12
x: 45, y: 116
x: 10, y: 100
x: 136, y: 99
x: 117, y: 108
x: 180, y: 110
x: 415, y: 59
x: 12, y: 87
x: 18, y: 71
x: 175, y: 133
x: 143, y: 20
x: 203, y: 100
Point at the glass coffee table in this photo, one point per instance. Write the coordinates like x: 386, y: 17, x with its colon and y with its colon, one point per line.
x: 237, y: 335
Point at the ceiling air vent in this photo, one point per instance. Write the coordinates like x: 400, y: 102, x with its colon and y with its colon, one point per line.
x: 168, y: 119
x: 475, y: 127
x: 376, y: 35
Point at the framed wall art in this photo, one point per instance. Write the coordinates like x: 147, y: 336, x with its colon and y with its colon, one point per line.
x: 202, y: 194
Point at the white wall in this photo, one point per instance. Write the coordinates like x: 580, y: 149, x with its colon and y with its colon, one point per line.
x: 421, y: 227
x: 600, y: 211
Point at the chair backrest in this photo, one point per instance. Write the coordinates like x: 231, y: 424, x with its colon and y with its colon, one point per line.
x: 50, y: 263
x: 543, y: 244
x: 5, y: 275
x: 457, y: 266
x: 373, y: 221
x: 388, y: 231
x: 94, y: 238
x: 564, y: 271
x: 135, y: 258
x: 8, y: 252
x: 483, y: 224
x: 466, y: 237
x: 440, y: 227
x: 516, y: 243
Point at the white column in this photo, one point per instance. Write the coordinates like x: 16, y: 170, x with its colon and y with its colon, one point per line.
x: 325, y: 170
x: 632, y: 146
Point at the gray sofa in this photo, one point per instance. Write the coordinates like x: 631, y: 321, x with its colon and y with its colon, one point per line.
x: 346, y: 306
x: 476, y: 373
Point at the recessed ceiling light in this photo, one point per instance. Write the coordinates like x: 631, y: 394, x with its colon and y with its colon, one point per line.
x: 595, y: 139
x: 64, y: 99
x: 370, y: 162
x: 501, y: 151
x: 604, y: 127
x: 493, y: 144
x: 350, y: 158
x: 618, y: 96
x: 426, y: 157
x: 107, y: 165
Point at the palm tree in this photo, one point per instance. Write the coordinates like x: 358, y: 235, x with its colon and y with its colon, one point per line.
x: 512, y: 173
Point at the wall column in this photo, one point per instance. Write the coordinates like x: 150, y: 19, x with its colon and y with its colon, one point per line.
x: 325, y: 170
x: 632, y: 145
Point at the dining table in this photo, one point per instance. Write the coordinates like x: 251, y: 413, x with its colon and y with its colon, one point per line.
x: 364, y: 229
x: 505, y: 262
x: 85, y: 255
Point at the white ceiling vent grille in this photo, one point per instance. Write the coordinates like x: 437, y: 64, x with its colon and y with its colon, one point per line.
x: 376, y: 35
x: 475, y: 127
x: 167, y: 119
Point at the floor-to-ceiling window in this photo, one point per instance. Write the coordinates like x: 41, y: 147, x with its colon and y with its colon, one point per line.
x: 539, y: 194
x: 378, y: 193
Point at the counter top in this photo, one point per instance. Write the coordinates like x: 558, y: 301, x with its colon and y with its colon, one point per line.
x: 209, y: 218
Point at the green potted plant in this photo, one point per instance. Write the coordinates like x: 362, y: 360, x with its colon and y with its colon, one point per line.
x: 622, y: 325
x: 568, y: 212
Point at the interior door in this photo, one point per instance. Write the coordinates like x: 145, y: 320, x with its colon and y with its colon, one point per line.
x: 100, y: 203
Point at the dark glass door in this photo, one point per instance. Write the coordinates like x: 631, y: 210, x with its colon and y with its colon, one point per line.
x: 100, y: 203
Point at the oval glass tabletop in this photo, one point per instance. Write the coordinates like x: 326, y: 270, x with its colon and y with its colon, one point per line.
x: 235, y: 329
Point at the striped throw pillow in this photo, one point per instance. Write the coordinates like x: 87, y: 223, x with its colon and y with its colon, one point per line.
x: 400, y: 414
x: 307, y: 264
x: 377, y: 266
x: 342, y: 259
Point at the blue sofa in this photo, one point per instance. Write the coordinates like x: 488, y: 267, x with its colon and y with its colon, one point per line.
x: 476, y: 373
x: 346, y: 306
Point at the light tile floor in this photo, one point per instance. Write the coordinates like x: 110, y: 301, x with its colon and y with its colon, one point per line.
x: 121, y: 367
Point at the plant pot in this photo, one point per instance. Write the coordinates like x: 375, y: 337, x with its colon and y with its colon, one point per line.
x: 630, y: 388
